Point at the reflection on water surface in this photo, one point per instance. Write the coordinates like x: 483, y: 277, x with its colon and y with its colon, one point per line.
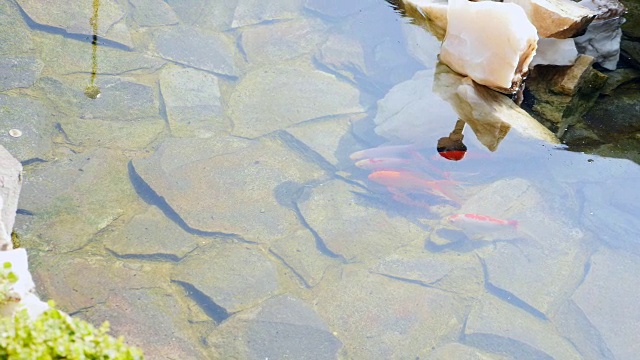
x: 263, y: 181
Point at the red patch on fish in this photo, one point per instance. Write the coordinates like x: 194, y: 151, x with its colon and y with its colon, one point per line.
x: 476, y: 223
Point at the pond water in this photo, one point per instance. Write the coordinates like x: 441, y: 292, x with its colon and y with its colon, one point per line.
x: 208, y: 204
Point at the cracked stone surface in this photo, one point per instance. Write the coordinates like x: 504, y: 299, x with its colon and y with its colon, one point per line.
x: 249, y: 12
x: 192, y: 101
x: 18, y: 71
x: 32, y: 118
x: 232, y: 275
x: 65, y: 218
x: 351, y: 227
x: 203, y: 180
x: 150, y: 236
x: 494, y: 325
x: 300, y: 252
x: 377, y: 317
x: 609, y: 305
x: 311, y: 94
x: 75, y: 19
x: 279, y: 328
x: 191, y: 46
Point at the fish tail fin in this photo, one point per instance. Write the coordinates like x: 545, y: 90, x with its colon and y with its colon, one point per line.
x: 513, y: 223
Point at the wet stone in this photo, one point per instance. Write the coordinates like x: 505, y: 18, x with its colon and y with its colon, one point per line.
x: 68, y: 56
x: 231, y: 275
x: 18, y: 72
x: 249, y: 12
x: 15, y: 37
x: 64, y: 279
x: 202, y: 14
x: 337, y: 215
x: 192, y: 101
x: 451, y: 272
x: 299, y: 252
x: 75, y: 19
x: 545, y: 243
x: 380, y: 318
x: 149, y: 318
x: 210, y: 51
x: 32, y: 118
x: 280, y: 328
x: 202, y: 180
x: 65, y: 217
x: 153, y: 13
x: 337, y: 8
x: 611, y: 306
x: 460, y: 351
x: 121, y: 99
x: 271, y: 43
x: 112, y: 134
x: 151, y: 235
x: 311, y: 94
x: 616, y: 114
x: 496, y: 326
x: 331, y: 138
x: 344, y: 55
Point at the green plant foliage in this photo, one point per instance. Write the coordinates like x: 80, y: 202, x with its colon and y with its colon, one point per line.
x: 55, y: 335
x: 7, y: 278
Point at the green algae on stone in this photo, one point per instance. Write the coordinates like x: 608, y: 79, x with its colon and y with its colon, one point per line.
x: 33, y: 119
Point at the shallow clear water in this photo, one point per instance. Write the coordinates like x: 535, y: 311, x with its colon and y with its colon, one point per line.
x: 208, y: 204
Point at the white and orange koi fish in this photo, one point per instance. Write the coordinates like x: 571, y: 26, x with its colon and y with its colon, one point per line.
x: 482, y: 226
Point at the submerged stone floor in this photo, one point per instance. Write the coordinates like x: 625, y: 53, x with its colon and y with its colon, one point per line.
x: 206, y: 206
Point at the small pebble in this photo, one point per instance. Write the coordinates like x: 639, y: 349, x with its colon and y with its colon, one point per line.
x: 15, y: 133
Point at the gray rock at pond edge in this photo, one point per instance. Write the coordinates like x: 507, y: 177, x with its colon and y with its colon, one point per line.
x: 234, y: 276
x: 33, y: 120
x: 496, y: 326
x: 617, y: 114
x: 338, y: 8
x: 11, y: 183
x: 151, y: 235
x: 331, y: 138
x: 299, y: 252
x: 18, y: 72
x: 75, y: 19
x: 380, y: 318
x: 609, y: 299
x: 203, y: 180
x: 545, y: 261
x: 153, y: 13
x: 210, y: 51
x: 249, y: 12
x: 310, y: 94
x: 351, y: 227
x: 192, y: 101
x: 280, y: 328
x: 276, y: 42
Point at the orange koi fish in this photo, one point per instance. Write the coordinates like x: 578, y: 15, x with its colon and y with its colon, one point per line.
x: 409, y: 182
x: 481, y: 224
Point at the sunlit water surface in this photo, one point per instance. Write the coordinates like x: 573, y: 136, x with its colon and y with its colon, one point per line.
x: 206, y: 203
